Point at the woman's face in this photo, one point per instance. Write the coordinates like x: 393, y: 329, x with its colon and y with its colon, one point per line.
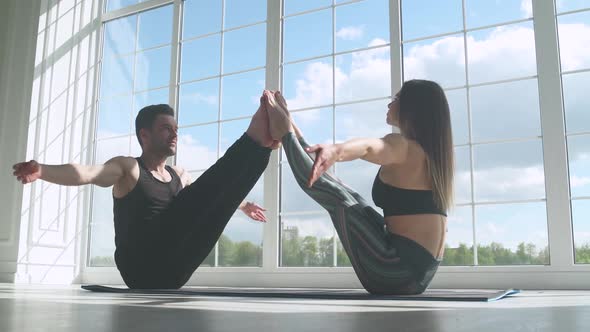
x: 393, y: 111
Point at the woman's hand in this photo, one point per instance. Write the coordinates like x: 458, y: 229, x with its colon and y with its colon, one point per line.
x: 326, y: 156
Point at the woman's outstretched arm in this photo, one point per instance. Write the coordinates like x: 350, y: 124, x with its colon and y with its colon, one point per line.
x: 387, y: 150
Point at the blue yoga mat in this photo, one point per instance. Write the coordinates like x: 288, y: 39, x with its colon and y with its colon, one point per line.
x: 314, y: 293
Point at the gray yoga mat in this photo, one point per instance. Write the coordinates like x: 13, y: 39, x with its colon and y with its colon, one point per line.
x: 311, y: 293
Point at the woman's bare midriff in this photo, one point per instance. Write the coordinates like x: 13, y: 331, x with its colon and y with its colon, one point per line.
x: 428, y: 230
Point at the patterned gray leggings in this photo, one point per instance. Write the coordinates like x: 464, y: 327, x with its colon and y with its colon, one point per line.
x: 384, y: 263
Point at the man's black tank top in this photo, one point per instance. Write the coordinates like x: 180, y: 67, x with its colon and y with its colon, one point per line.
x: 134, y: 212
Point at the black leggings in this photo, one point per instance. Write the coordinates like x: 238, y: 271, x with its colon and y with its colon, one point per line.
x: 384, y: 263
x: 180, y: 238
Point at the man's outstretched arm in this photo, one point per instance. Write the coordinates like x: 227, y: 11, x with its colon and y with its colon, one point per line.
x: 104, y: 175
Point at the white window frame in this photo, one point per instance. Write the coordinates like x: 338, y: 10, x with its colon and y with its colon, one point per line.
x: 562, y: 273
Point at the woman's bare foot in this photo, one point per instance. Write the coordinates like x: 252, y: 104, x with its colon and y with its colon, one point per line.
x: 259, y: 127
x: 283, y: 103
x: 280, y: 121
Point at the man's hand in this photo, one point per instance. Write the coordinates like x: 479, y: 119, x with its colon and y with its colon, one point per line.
x: 254, y: 211
x: 27, y: 172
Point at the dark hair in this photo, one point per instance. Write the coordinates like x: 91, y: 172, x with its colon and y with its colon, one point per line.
x: 424, y: 117
x: 147, y: 115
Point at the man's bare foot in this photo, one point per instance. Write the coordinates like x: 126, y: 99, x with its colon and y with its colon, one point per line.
x: 280, y: 122
x: 259, y: 127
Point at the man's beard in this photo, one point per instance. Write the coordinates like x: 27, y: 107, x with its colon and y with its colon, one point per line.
x: 165, y: 149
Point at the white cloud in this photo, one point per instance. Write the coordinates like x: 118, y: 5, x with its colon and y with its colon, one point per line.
x: 579, y: 181
x: 198, y: 98
x: 315, y: 87
x: 509, y: 183
x: 574, y: 44
x: 194, y: 155
x: 350, y: 33
x: 526, y: 6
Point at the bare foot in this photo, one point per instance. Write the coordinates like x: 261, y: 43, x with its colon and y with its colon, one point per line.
x: 259, y: 127
x: 280, y: 122
x: 283, y: 103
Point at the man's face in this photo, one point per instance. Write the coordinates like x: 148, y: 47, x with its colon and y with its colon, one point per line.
x: 162, y: 138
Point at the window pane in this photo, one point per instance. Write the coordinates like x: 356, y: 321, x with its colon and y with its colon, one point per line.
x: 119, y: 35
x: 102, y: 241
x: 116, y: 75
x: 579, y: 165
x: 363, y: 75
x: 199, y: 102
x: 501, y: 53
x: 484, y: 12
x: 576, y: 102
x: 102, y: 202
x: 459, y: 241
x: 114, y: 116
x: 362, y: 120
x: 308, y: 84
x: 155, y: 27
x: 201, y: 17
x: 153, y: 69
x: 297, y: 6
x: 574, y: 31
x: 457, y: 100
x: 118, y: 4
x: 512, y: 234
x: 241, y: 241
x: 422, y: 18
x: 293, y: 198
x: 441, y: 60
x: 462, y: 183
x: 362, y: 24
x: 244, y: 48
x: 197, y: 147
x: 112, y: 147
x: 567, y: 5
x: 297, y: 29
x: 200, y: 58
x: 230, y: 132
x: 315, y: 126
x: 505, y: 111
x: 581, y: 225
x: 307, y: 240
x: 241, y: 94
x: 242, y: 12
x: 509, y: 171
x: 151, y: 97
x: 64, y: 27
x: 359, y: 176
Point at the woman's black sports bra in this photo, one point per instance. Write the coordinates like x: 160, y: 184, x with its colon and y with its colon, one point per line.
x: 399, y: 201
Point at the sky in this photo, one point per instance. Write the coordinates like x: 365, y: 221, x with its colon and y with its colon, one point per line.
x: 502, y: 171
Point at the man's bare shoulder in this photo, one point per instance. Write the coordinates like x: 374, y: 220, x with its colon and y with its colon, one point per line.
x: 126, y: 163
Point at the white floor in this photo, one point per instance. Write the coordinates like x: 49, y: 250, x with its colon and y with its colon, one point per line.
x: 69, y: 308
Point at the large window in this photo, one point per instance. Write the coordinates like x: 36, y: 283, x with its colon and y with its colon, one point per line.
x: 337, y: 85
x: 483, y: 54
x: 573, y: 19
x: 336, y: 62
x: 135, y: 72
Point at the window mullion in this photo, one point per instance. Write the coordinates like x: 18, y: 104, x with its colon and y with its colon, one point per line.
x: 270, y: 259
x: 553, y: 129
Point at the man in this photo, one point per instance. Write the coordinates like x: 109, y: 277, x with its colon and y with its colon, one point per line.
x: 165, y: 226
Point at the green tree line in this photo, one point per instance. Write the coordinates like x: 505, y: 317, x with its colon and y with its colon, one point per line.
x: 310, y: 251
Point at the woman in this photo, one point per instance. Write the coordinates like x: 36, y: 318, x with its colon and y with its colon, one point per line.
x: 400, y: 252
